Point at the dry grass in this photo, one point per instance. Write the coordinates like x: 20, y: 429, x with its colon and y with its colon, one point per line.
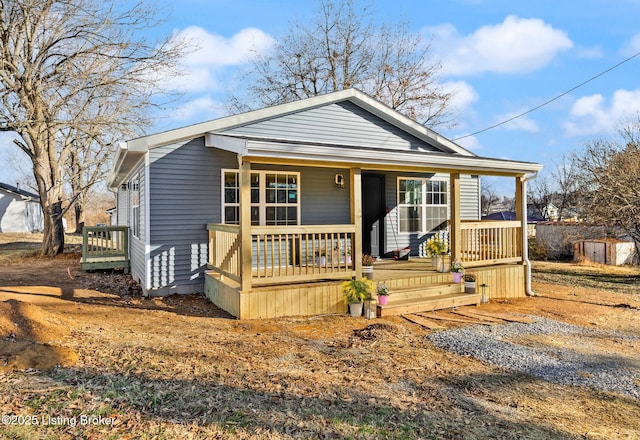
x: 180, y: 368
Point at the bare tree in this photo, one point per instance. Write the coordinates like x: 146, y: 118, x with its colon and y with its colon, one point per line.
x: 539, y: 196
x: 565, y: 179
x: 340, y: 48
x: 488, y: 199
x: 73, y: 73
x: 608, y: 179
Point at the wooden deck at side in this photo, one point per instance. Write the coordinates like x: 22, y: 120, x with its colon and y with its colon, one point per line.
x: 105, y: 247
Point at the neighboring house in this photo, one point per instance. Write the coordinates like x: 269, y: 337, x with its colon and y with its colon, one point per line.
x: 532, y: 219
x: 20, y: 210
x: 296, y: 193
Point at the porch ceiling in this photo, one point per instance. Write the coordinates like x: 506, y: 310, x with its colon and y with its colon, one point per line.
x: 274, y: 151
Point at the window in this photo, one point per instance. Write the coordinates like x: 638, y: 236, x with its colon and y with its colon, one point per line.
x: 422, y: 204
x: 274, y: 198
x: 135, y: 206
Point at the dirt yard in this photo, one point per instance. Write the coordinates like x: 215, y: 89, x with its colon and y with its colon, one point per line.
x: 83, y: 355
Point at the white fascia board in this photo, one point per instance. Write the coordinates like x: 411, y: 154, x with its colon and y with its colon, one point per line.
x: 124, y: 162
x: 389, y: 158
x: 227, y: 143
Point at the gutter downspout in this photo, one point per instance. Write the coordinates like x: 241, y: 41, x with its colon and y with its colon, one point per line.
x: 525, y: 234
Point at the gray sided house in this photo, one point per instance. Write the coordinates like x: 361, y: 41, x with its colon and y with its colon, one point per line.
x: 295, y: 194
x: 20, y: 210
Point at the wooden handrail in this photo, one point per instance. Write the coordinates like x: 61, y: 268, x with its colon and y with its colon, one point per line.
x: 284, y: 253
x: 485, y: 243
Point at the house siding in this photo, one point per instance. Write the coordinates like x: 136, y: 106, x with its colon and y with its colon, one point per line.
x: 185, y: 182
x: 137, y: 244
x: 122, y: 203
x: 341, y: 123
x: 18, y: 215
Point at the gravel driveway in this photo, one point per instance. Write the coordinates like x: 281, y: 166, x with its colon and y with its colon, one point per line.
x: 554, y: 351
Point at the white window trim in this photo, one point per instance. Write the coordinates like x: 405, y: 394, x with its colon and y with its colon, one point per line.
x: 262, y: 205
x: 423, y: 204
x: 135, y: 214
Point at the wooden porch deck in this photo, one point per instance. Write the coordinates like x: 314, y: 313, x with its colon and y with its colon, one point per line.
x: 414, y: 284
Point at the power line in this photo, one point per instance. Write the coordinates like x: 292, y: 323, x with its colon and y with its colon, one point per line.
x: 550, y: 100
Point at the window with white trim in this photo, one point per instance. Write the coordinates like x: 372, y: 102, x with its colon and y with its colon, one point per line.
x: 275, y: 197
x: 422, y: 204
x: 135, y: 206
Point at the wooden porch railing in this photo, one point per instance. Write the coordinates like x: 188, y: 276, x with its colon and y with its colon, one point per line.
x: 224, y: 250
x: 490, y: 242
x: 282, y: 254
x: 105, y: 247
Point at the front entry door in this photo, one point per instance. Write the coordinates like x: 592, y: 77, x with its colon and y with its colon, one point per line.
x: 373, y: 212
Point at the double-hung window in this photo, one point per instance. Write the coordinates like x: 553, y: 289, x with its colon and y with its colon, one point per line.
x: 135, y: 206
x: 275, y: 197
x: 422, y: 204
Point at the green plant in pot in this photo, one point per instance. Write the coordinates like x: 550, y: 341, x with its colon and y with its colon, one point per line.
x: 469, y: 282
x: 383, y: 293
x: 355, y: 292
x: 367, y: 266
x: 436, y: 248
x: 457, y: 270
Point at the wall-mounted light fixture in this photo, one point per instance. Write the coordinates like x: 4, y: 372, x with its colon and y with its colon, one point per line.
x: 339, y: 180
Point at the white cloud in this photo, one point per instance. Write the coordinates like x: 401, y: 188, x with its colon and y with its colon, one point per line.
x: 521, y: 124
x: 200, y: 109
x: 515, y: 45
x: 471, y: 143
x: 464, y: 95
x: 632, y: 46
x: 211, y: 53
x: 592, y: 114
x: 593, y: 52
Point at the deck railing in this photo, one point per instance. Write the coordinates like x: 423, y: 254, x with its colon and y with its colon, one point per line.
x: 105, y: 247
x: 224, y: 250
x: 490, y: 242
x: 284, y: 253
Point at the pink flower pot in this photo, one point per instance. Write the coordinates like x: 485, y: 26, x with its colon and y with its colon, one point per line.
x: 457, y: 276
x: 383, y: 299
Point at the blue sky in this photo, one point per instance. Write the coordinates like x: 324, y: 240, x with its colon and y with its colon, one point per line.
x: 501, y: 57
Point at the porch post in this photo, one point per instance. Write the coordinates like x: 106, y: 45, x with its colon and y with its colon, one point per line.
x: 455, y: 232
x: 521, y: 215
x: 245, y: 224
x: 355, y: 178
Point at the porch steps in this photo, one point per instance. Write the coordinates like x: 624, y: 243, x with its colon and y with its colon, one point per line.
x: 427, y: 298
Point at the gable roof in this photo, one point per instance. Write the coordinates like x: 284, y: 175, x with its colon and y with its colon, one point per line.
x: 223, y: 133
x: 15, y: 190
x: 355, y: 96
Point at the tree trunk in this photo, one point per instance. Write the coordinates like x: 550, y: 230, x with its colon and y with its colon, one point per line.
x: 53, y: 240
x: 77, y: 209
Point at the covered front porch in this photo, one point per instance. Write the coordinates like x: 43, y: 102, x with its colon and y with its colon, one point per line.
x: 269, y: 271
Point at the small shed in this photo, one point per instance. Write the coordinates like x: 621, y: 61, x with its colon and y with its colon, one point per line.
x: 606, y: 251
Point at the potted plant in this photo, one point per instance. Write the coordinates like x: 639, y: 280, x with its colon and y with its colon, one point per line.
x: 367, y: 266
x: 436, y: 248
x: 469, y: 282
x: 321, y: 257
x: 457, y: 270
x: 383, y: 293
x: 355, y: 292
